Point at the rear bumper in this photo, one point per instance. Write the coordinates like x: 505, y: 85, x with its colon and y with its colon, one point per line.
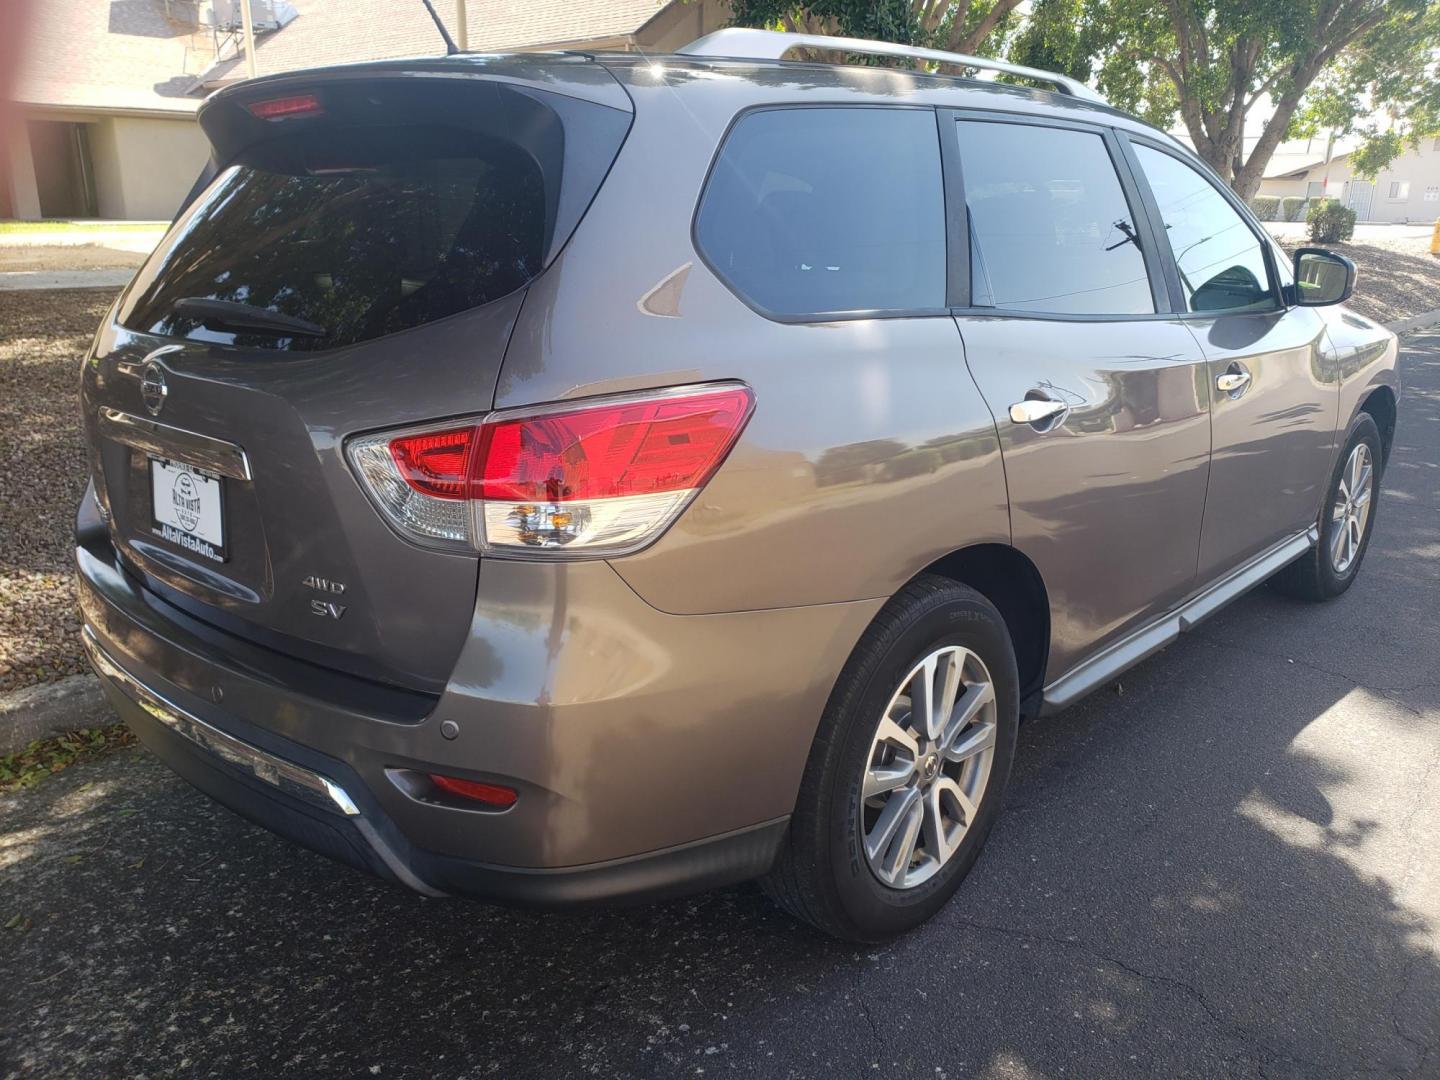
x: 307, y: 805
x: 638, y: 780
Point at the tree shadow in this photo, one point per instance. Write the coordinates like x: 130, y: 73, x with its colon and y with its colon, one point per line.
x: 1189, y: 881
x: 1219, y: 866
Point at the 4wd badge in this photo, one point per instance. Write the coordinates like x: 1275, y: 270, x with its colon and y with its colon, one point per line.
x: 325, y: 609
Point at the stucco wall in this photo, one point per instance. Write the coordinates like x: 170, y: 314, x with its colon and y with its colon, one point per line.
x: 19, y: 179
x: 145, y: 166
x: 1418, y: 168
x: 680, y: 24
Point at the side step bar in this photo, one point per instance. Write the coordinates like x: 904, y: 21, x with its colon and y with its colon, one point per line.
x: 1150, y: 639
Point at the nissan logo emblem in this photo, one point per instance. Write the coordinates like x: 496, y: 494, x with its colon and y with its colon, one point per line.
x: 152, y: 387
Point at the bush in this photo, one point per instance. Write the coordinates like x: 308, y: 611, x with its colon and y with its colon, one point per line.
x: 1266, y: 207
x: 1330, y: 222
x: 1291, y: 207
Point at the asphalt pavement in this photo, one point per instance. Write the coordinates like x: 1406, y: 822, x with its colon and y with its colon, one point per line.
x: 1225, y: 866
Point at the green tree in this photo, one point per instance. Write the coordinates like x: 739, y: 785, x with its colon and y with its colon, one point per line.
x: 965, y: 26
x: 1318, y: 63
x: 1385, y: 89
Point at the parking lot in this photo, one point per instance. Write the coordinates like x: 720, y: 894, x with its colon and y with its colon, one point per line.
x: 1223, y: 866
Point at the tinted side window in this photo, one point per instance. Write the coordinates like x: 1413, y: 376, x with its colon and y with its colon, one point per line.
x: 828, y: 210
x: 1049, y: 225
x: 1221, y: 263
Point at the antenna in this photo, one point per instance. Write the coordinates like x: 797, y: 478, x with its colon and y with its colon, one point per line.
x: 450, y: 49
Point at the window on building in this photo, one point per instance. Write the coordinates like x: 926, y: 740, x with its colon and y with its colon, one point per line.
x: 1399, y: 189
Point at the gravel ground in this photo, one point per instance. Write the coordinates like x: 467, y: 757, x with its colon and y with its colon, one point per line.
x: 1397, y: 278
x: 42, y: 474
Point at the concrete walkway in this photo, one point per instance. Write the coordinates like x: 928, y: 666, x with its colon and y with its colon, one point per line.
x: 137, y: 236
x: 18, y: 280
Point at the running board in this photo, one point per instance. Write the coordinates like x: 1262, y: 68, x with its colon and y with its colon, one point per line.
x: 1150, y: 639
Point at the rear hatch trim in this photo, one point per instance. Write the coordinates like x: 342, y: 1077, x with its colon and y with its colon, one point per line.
x: 152, y: 437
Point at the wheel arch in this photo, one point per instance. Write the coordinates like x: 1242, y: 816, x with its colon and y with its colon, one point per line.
x: 1010, y: 581
x: 1383, y: 408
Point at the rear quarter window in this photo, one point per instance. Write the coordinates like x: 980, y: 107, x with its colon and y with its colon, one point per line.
x: 828, y: 210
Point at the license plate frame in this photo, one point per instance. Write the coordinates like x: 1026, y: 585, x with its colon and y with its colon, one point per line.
x: 187, y: 507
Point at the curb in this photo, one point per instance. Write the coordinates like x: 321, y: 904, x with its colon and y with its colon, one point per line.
x: 1423, y: 321
x: 38, y: 712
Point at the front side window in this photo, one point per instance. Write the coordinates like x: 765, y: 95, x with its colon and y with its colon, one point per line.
x: 1050, y: 229
x: 1221, y: 261
x: 812, y: 211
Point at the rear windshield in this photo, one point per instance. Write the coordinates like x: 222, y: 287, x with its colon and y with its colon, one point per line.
x: 364, y: 234
x: 367, y: 231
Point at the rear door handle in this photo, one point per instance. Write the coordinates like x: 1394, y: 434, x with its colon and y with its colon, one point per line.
x: 1233, y: 381
x: 1036, y: 410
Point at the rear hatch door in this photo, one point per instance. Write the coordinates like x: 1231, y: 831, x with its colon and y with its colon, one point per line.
x: 354, y: 260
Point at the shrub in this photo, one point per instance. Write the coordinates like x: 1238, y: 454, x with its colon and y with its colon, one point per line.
x: 1266, y: 207
x: 1330, y: 222
x: 1291, y: 207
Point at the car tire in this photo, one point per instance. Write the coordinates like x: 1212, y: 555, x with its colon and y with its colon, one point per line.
x: 831, y: 869
x: 1330, y: 567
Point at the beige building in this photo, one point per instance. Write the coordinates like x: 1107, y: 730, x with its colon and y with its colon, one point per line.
x: 1407, y: 192
x: 105, y: 95
x: 107, y: 92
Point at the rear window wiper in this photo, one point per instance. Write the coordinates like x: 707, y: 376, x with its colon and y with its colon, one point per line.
x: 232, y: 315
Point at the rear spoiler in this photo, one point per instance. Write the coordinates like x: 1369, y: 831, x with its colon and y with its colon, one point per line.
x: 568, y: 113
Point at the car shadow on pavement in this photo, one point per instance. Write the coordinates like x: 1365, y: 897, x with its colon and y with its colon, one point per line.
x: 1182, y: 885
x: 1221, y: 866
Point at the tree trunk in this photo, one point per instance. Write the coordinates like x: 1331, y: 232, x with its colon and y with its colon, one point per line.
x: 970, y: 43
x: 1247, y: 180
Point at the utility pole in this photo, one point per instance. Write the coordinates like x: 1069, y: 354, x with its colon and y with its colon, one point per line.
x: 249, y: 24
x: 462, y: 29
x: 1329, y: 157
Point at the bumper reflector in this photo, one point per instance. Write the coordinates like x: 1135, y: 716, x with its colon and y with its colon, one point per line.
x: 495, y: 796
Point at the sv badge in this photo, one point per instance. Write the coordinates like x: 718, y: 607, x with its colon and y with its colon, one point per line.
x: 325, y: 609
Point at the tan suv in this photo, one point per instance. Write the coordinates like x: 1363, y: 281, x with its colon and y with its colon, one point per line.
x: 577, y: 478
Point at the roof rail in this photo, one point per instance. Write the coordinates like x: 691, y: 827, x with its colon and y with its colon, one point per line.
x: 738, y: 43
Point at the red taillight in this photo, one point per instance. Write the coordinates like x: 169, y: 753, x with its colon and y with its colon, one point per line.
x: 496, y: 796
x: 608, y: 451
x: 283, y: 107
x: 601, y: 479
x: 435, y: 464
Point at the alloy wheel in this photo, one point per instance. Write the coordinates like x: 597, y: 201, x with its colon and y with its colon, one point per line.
x: 928, y: 767
x: 1350, y: 513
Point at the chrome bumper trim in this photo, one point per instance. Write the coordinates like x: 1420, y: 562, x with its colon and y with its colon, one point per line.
x: 288, y: 777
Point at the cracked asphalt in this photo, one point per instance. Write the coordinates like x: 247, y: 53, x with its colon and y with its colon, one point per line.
x: 1227, y: 866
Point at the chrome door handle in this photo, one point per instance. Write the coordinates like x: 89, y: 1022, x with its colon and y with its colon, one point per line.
x: 1036, y: 410
x: 1232, y: 381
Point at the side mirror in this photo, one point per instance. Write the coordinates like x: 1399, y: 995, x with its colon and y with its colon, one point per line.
x: 1322, y: 277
